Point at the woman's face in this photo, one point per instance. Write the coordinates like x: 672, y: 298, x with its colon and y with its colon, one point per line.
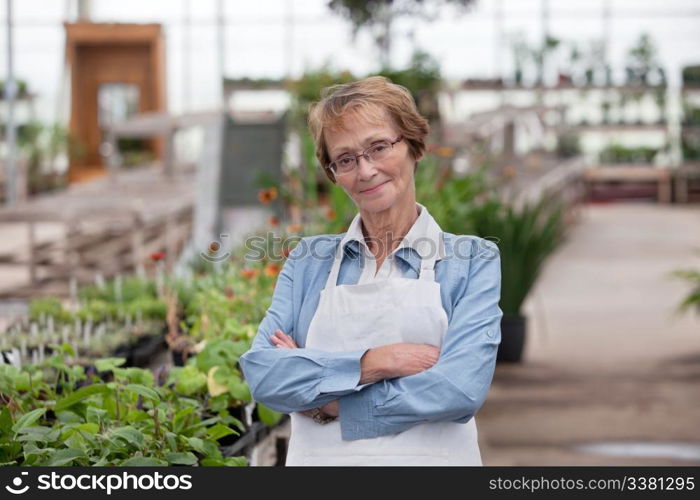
x: 374, y: 187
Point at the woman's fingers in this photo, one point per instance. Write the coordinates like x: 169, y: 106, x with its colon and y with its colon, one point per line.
x: 282, y: 340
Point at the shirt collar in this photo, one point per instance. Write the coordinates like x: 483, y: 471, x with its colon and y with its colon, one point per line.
x: 424, y: 238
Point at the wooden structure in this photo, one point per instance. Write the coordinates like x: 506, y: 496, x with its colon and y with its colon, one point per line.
x: 687, y: 182
x: 633, y: 174
x: 111, y: 62
x: 111, y: 225
x: 156, y: 126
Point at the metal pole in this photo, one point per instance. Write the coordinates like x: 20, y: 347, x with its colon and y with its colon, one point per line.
x: 498, y: 39
x: 289, y: 39
x: 606, y: 37
x: 186, y: 66
x: 221, y: 46
x: 11, y: 131
x: 545, y: 37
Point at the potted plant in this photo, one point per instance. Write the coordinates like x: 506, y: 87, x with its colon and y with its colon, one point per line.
x: 526, y: 235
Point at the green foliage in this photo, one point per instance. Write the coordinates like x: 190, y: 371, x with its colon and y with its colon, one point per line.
x: 447, y: 195
x: 642, y: 62
x: 44, y: 307
x: 568, y: 145
x: 132, y: 288
x: 525, y: 236
x: 307, y: 90
x: 616, y: 153
x: 690, y: 146
x: 363, y: 13
x: 691, y: 115
x: 692, y: 300
x: 54, y: 421
x: 691, y: 75
x: 423, y: 79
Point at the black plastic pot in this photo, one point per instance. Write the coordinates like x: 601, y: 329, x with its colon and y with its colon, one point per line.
x: 513, y: 332
x: 145, y: 348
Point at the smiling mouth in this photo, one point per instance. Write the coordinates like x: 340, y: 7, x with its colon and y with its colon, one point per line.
x: 374, y: 188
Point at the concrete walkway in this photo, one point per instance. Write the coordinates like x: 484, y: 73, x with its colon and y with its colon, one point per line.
x: 607, y: 359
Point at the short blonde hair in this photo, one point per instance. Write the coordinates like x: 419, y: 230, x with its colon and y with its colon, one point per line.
x: 370, y: 97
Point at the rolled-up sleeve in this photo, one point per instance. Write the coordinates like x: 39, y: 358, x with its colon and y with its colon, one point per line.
x: 289, y: 380
x: 456, y: 386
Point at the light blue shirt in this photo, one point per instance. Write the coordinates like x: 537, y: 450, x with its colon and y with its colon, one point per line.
x: 289, y: 380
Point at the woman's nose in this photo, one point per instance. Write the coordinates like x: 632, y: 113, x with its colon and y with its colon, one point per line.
x: 365, y: 168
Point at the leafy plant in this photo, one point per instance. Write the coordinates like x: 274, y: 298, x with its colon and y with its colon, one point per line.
x: 692, y: 300
x: 57, y: 414
x: 378, y: 15
x: 526, y: 235
x: 617, y: 153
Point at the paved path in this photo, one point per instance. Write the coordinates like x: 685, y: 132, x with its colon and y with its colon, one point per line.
x: 607, y: 359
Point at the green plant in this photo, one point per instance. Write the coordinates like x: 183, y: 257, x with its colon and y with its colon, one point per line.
x: 642, y: 62
x: 526, y: 236
x: 378, y: 15
x: 568, y: 145
x: 691, y: 75
x: 422, y: 78
x: 690, y: 146
x: 56, y: 414
x: 449, y: 197
x: 617, y: 153
x: 42, y: 308
x: 692, y: 300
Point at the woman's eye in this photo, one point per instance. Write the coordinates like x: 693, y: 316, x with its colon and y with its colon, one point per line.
x: 344, y: 162
x: 379, y: 148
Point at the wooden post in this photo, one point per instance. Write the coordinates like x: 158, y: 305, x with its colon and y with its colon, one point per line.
x: 664, y: 187
x: 32, y: 253
x: 681, y: 186
x: 137, y: 241
x: 170, y: 241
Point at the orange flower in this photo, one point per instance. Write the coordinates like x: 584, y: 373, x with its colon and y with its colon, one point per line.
x: 273, y: 221
x: 285, y: 252
x: 272, y: 270
x: 228, y: 291
x: 509, y: 172
x: 249, y: 273
x: 265, y: 196
x: 292, y: 228
x: 445, y: 152
x: 330, y: 214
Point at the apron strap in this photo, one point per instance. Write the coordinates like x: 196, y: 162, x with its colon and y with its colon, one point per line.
x: 427, y: 269
x: 335, y: 268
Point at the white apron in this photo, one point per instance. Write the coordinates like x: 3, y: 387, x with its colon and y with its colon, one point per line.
x: 352, y: 317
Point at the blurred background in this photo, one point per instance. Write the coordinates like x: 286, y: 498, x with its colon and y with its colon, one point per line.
x: 144, y: 142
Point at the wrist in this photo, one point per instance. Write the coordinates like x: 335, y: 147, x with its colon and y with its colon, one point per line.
x: 373, y: 366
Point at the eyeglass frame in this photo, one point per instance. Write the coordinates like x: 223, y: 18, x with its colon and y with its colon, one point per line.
x: 363, y: 154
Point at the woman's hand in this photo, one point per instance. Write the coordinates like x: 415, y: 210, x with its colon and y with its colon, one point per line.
x: 397, y: 360
x: 282, y: 340
x: 387, y: 361
x: 331, y: 408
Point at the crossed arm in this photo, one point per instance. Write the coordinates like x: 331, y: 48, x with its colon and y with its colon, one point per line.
x: 379, y: 363
x: 367, y: 388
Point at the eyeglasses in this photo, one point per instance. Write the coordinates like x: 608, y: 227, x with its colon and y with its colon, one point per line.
x: 376, y: 152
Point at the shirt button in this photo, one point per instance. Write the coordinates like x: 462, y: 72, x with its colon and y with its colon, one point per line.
x: 489, y: 333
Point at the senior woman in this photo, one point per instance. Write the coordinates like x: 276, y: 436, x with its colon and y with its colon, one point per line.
x: 380, y: 342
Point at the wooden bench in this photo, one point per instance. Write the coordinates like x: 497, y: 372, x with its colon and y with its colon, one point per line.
x: 633, y: 173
